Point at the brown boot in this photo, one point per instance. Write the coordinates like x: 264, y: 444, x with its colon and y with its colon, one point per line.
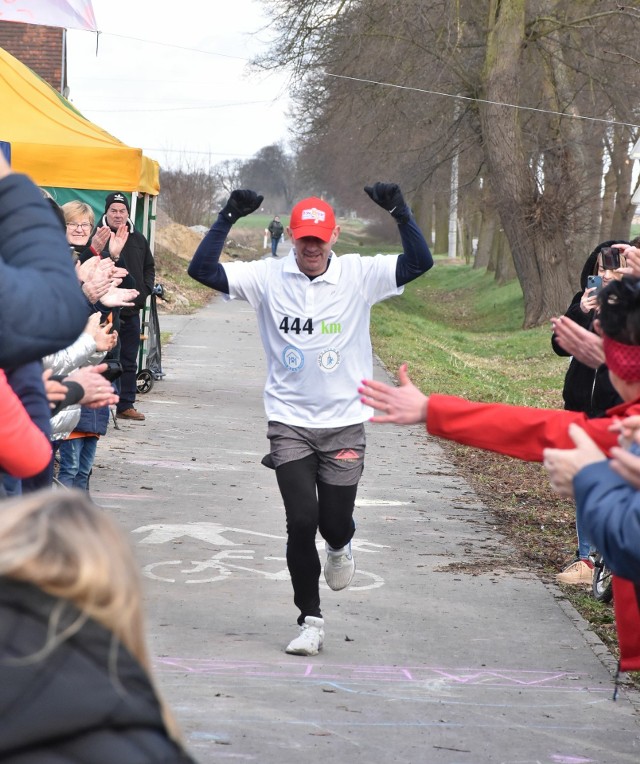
x: 130, y: 414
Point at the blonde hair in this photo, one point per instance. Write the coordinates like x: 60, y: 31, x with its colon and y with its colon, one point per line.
x: 77, y: 209
x: 65, y: 545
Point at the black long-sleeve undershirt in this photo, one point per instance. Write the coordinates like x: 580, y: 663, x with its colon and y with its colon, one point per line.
x: 206, y: 268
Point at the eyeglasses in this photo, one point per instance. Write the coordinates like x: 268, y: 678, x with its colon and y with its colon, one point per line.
x: 84, y: 226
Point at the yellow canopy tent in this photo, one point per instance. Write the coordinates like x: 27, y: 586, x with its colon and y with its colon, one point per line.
x: 56, y: 146
x: 65, y: 153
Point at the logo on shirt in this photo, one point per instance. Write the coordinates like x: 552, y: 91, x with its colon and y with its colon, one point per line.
x: 292, y: 358
x: 329, y: 360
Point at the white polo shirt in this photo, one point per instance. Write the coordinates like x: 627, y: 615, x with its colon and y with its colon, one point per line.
x: 315, y: 333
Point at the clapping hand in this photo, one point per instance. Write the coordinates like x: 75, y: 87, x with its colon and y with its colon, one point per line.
x: 54, y: 390
x: 119, y: 298
x: 579, y: 342
x: 563, y: 464
x: 100, y: 238
x: 117, y: 240
x: 98, y: 391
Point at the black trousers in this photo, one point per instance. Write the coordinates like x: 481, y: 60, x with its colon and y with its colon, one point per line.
x: 311, y: 505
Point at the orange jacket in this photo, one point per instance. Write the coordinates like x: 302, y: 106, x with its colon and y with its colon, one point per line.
x: 24, y: 449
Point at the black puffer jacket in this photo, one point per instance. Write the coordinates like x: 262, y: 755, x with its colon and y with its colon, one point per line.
x: 71, y: 706
x: 586, y: 389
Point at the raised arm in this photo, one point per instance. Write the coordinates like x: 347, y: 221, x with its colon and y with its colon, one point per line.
x: 416, y: 257
x: 205, y: 265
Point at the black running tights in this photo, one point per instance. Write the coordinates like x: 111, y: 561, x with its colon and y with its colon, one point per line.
x: 311, y: 505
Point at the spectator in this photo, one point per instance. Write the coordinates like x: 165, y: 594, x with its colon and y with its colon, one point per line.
x: 586, y: 389
x: 79, y: 220
x: 608, y: 503
x: 76, y: 428
x: 136, y: 257
x: 35, y: 270
x: 75, y: 673
x: 78, y: 449
x: 316, y: 422
x: 276, y: 229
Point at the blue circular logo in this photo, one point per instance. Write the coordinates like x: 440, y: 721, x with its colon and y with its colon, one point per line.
x: 292, y: 358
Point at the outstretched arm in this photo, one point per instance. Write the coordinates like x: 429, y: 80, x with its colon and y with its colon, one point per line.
x: 416, y: 257
x: 205, y: 266
x: 402, y: 405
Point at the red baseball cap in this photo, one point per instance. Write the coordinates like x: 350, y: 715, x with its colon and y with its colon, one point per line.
x: 312, y: 217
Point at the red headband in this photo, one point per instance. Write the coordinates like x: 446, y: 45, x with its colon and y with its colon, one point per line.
x: 622, y: 360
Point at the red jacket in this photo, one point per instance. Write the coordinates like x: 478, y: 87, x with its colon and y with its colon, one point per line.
x: 524, y: 432
x: 518, y: 431
x: 24, y: 449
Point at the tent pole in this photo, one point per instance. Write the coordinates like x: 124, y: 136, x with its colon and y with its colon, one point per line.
x: 152, y: 222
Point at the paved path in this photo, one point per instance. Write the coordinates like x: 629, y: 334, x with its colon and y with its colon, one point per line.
x: 422, y: 662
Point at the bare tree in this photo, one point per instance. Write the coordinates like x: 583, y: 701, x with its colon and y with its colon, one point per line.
x: 272, y: 172
x: 525, y: 72
x: 227, y: 175
x: 187, y: 194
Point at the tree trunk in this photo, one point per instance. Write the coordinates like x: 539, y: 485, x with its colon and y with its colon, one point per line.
x: 441, y: 208
x: 608, y: 204
x: 505, y: 269
x: 422, y: 208
x: 488, y: 225
x: 537, y: 247
x: 464, y: 240
x: 623, y: 211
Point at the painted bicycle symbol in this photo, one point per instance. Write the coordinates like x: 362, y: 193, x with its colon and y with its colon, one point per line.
x: 224, y: 563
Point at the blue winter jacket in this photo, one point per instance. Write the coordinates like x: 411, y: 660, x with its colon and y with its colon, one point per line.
x: 93, y: 420
x: 42, y: 308
x: 609, y: 509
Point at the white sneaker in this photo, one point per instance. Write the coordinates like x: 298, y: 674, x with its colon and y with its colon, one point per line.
x: 340, y: 567
x: 310, y: 639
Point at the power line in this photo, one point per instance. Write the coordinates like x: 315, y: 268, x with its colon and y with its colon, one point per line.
x: 483, y: 100
x: 175, y: 108
x: 172, y: 45
x: 195, y: 151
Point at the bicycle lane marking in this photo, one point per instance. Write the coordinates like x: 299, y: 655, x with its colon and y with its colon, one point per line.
x: 223, y: 563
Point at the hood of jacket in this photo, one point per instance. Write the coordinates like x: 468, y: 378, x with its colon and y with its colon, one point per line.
x: 589, y: 267
x: 85, y: 700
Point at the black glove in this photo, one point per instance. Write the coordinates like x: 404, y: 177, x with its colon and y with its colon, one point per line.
x: 240, y: 204
x: 389, y: 197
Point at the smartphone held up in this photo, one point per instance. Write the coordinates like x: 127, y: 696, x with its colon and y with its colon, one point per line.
x: 594, y: 283
x: 610, y: 258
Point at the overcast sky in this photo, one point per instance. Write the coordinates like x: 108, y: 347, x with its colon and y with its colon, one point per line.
x: 172, y: 79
